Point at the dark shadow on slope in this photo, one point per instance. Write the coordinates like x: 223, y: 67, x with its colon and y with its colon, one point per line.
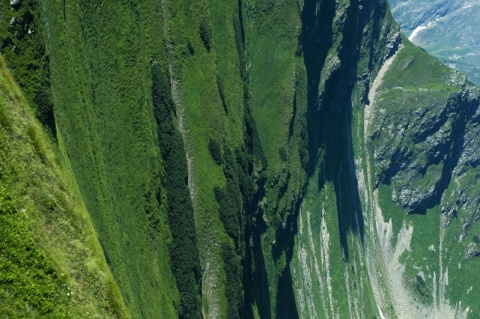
x: 330, y: 110
x: 184, y: 255
x: 260, y: 284
x: 286, y: 306
x: 452, y: 152
x: 317, y: 39
x: 255, y: 281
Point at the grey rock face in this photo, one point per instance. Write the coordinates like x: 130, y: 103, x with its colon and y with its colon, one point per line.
x: 472, y: 251
x: 422, y: 153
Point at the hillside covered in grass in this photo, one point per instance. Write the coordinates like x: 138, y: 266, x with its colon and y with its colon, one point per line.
x: 232, y: 159
x: 51, y: 263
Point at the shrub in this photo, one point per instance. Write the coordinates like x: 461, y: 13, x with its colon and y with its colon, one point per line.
x: 215, y: 151
x: 233, y: 288
x: 283, y: 154
x: 222, y: 94
x: 206, y: 35
x: 191, y: 49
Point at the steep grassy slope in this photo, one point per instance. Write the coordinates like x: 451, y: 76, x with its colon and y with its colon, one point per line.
x: 100, y: 61
x: 239, y: 159
x: 421, y: 145
x: 147, y: 108
x: 51, y: 263
x: 127, y: 157
x: 278, y: 97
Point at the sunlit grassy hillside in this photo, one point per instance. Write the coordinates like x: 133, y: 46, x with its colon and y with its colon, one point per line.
x: 51, y: 263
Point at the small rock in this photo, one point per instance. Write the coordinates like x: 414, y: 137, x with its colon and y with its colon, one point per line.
x: 472, y: 251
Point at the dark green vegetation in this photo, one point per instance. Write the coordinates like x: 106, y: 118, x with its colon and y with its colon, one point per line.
x: 218, y: 148
x: 183, y: 250
x: 22, y: 43
x: 27, y: 276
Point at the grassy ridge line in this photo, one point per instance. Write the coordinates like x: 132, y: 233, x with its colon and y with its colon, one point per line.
x: 50, y: 259
x: 101, y: 84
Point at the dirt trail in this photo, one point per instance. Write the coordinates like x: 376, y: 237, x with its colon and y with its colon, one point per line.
x: 385, y: 255
x: 373, y: 91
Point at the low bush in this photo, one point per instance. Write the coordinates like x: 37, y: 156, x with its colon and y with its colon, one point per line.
x: 206, y: 35
x: 215, y: 152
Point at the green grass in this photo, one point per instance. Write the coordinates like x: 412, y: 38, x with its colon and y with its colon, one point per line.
x: 277, y: 84
x: 100, y: 58
x: 390, y: 210
x: 51, y: 262
x: 323, y: 204
x: 414, y: 68
x: 205, y: 118
x: 109, y: 136
x: 463, y: 269
x: 203, y: 74
x: 272, y: 31
x: 421, y: 256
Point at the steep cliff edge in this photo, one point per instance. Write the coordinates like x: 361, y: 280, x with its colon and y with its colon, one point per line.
x: 261, y: 159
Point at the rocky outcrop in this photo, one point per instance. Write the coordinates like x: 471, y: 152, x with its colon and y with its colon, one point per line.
x: 472, y: 251
x: 422, y: 152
